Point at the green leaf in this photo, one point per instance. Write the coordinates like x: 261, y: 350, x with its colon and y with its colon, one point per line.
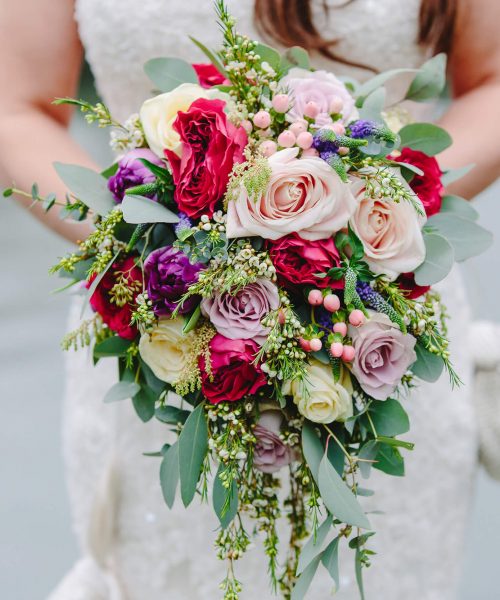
x: 459, y: 206
x: 269, y: 55
x: 113, y: 346
x: 367, y: 452
x: 390, y: 441
x: 97, y: 281
x: 171, y: 415
x: 7, y: 192
x: 426, y: 137
x: 428, y: 365
x: 375, y: 82
x: 193, y: 445
x: 330, y: 560
x: 312, y: 448
x: 373, y: 105
x: 212, y: 57
x: 123, y: 390
x: 314, y: 545
x: 429, y: 81
x: 168, y: 73
x: 110, y: 171
x: 88, y: 186
x: 358, y: 568
x: 295, y: 57
x: 389, y: 417
x: 225, y: 501
x: 451, y: 175
x: 169, y: 474
x: 390, y: 461
x: 139, y: 209
x: 439, y: 259
x: 304, y: 581
x: 144, y: 403
x: 465, y: 237
x: 338, y: 498
x: 192, y: 320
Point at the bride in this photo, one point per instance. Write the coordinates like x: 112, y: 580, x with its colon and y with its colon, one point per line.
x: 132, y: 547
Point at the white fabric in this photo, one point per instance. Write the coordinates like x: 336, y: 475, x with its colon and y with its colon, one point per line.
x: 133, y: 545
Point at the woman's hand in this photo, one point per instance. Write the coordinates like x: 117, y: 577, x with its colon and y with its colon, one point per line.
x: 473, y: 119
x: 40, y: 59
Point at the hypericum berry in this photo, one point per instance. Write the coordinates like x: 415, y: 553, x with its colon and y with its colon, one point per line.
x: 268, y: 148
x: 315, y: 344
x: 298, y: 127
x: 348, y: 353
x: 343, y: 151
x: 336, y: 349
x: 247, y: 125
x: 286, y: 139
x: 340, y: 328
x: 305, y: 344
x: 304, y: 140
x: 331, y: 302
x: 356, y: 318
x: 281, y: 102
x: 262, y: 119
x: 336, y: 105
x: 338, y: 128
x: 315, y: 298
x: 311, y: 109
x: 281, y: 317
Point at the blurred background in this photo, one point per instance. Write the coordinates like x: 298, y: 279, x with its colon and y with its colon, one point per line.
x: 37, y: 545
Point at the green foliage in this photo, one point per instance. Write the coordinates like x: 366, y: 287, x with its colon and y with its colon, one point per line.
x: 330, y: 560
x: 375, y: 82
x: 168, y: 73
x: 459, y: 206
x: 426, y: 137
x: 212, y: 56
x: 88, y: 186
x: 139, y: 209
x: 144, y: 403
x: 389, y: 417
x: 225, y: 499
x: 193, y: 446
x: 451, y: 175
x: 312, y: 448
x: 304, y: 581
x: 372, y: 107
x: 390, y: 461
x: 113, y: 346
x: 429, y: 81
x: 314, y: 545
x: 169, y: 474
x: 269, y: 55
x: 294, y: 57
x: 171, y: 415
x: 465, y: 237
x: 439, y: 259
x: 192, y: 320
x: 122, y: 390
x: 428, y: 365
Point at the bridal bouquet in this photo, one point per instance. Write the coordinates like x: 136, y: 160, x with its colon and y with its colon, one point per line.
x: 261, y: 265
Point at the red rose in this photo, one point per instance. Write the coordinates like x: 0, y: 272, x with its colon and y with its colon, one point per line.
x: 406, y: 282
x: 210, y: 147
x: 428, y: 186
x: 116, y: 317
x: 297, y: 260
x: 208, y: 76
x: 234, y: 374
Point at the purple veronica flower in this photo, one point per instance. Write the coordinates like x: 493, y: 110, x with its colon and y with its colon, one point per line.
x: 169, y: 273
x: 132, y: 172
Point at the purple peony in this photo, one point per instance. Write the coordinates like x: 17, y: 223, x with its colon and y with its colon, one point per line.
x: 131, y: 172
x: 239, y: 316
x: 270, y: 454
x: 383, y: 355
x: 168, y: 275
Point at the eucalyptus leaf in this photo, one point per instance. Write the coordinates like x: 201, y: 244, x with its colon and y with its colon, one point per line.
x: 122, y: 390
x: 88, y: 186
x: 168, y: 73
x: 426, y: 137
x: 330, y: 560
x: 465, y: 237
x: 378, y: 80
x: 390, y: 461
x: 269, y: 55
x: 295, y: 57
x: 139, y: 209
x: 451, y: 175
x: 212, y: 57
x: 373, y: 105
x: 428, y: 365
x: 193, y: 445
x: 225, y: 501
x: 429, y: 81
x: 304, y: 581
x: 459, y: 206
x: 144, y: 403
x: 389, y: 417
x: 368, y: 452
x: 113, y: 346
x: 338, y: 498
x: 314, y: 545
x: 171, y: 415
x: 169, y: 474
x: 312, y: 448
x: 439, y: 259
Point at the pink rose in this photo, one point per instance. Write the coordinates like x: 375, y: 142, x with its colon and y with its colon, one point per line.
x: 239, y: 316
x: 234, y: 374
x: 297, y: 261
x: 383, y: 354
x: 270, y: 454
x: 390, y: 232
x: 320, y: 87
x: 210, y: 146
x: 303, y: 195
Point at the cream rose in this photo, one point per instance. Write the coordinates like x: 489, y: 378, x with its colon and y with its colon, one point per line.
x: 164, y: 349
x: 391, y: 233
x: 303, y: 195
x: 321, y: 399
x: 159, y: 113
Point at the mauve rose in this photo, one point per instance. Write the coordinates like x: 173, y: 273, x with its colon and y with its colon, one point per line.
x: 211, y: 145
x: 428, y: 186
x: 304, y: 195
x: 383, y: 355
x: 297, y: 261
x: 233, y: 373
x: 169, y: 273
x: 131, y: 172
x: 117, y: 318
x: 320, y: 87
x: 208, y: 76
x: 270, y: 453
x: 240, y: 316
x: 391, y: 233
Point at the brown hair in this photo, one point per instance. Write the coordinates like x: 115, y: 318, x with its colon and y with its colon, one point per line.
x: 291, y: 23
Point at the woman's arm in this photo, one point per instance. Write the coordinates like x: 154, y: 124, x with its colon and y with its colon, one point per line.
x: 473, y: 119
x: 40, y: 59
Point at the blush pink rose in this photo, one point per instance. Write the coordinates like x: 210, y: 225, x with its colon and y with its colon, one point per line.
x: 303, y: 195
x: 320, y: 87
x: 391, y: 233
x: 383, y: 354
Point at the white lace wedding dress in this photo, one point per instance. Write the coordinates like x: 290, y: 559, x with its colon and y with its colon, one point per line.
x: 133, y: 547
